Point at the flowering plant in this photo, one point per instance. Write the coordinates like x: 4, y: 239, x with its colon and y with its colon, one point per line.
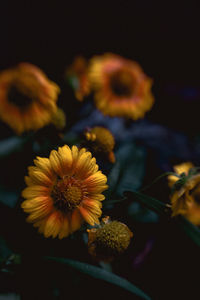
x: 78, y: 182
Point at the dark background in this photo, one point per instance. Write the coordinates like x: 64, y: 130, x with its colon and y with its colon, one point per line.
x: 162, y: 36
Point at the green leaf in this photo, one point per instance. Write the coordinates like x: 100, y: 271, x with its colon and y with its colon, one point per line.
x: 101, y: 274
x: 128, y: 171
x: 150, y: 202
x: 190, y: 229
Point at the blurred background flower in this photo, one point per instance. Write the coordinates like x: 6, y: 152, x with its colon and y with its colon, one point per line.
x: 120, y: 86
x: 27, y: 98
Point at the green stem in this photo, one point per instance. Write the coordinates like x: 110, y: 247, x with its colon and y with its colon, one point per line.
x: 158, y: 178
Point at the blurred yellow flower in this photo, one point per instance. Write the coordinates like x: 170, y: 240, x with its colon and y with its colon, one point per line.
x: 109, y: 240
x: 121, y: 87
x: 100, y: 141
x: 185, y: 198
x: 27, y: 97
x: 63, y: 191
x: 78, y: 78
x: 179, y: 169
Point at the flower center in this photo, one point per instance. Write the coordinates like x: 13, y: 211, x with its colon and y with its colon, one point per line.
x: 67, y: 194
x: 122, y: 83
x: 103, y: 141
x: 113, y: 238
x: 18, y: 98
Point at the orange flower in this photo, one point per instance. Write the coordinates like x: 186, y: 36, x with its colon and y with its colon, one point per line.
x: 78, y: 77
x: 27, y: 98
x: 64, y: 191
x: 121, y: 87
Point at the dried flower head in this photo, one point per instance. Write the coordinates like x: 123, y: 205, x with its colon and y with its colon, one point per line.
x: 100, y: 141
x: 63, y: 191
x: 121, y: 87
x: 27, y: 98
x: 109, y: 240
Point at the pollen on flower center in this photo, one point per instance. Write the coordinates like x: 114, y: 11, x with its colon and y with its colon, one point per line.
x: 18, y: 98
x: 122, y: 83
x: 67, y: 195
x: 73, y: 195
x: 113, y: 238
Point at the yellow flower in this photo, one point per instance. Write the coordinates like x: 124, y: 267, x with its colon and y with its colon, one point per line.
x: 63, y: 191
x: 27, y: 98
x: 78, y: 77
x: 121, y: 87
x: 109, y: 240
x: 185, y: 199
x: 179, y: 169
x: 100, y: 141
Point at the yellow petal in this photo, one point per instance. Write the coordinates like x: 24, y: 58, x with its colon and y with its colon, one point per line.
x: 38, y: 214
x: 75, y: 153
x: 93, y: 206
x: 29, y: 181
x: 83, y: 164
x: 35, y: 191
x: 96, y: 179
x: 75, y: 221
x: 98, y: 197
x: 53, y: 225
x: 55, y: 162
x: 65, y: 156
x: 89, y: 217
x: 37, y: 203
x: 45, y: 166
x: 39, y: 177
x: 65, y: 230
x: 97, y: 189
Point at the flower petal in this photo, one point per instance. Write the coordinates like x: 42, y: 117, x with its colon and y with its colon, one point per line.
x: 53, y: 224
x: 39, y: 177
x: 76, y: 221
x: 35, y: 191
x: 89, y: 217
x: 65, y: 230
x: 44, y: 165
x: 65, y: 156
x: 55, y: 162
